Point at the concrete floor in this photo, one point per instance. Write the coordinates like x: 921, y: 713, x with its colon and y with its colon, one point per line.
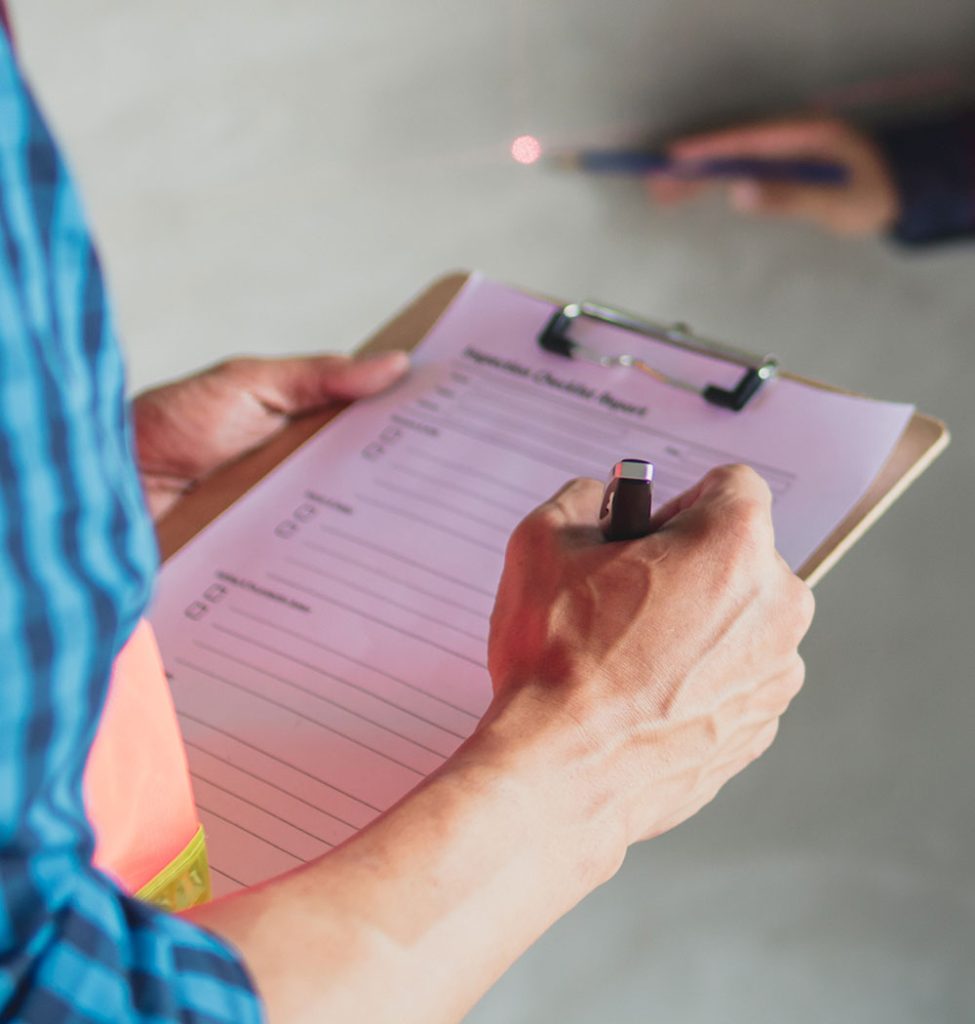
x: 279, y: 177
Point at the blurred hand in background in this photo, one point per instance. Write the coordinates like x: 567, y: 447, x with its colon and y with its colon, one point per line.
x: 867, y: 204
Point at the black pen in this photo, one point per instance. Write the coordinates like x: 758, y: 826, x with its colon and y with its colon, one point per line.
x: 627, y: 500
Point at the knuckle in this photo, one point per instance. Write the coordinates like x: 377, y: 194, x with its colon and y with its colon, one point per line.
x: 765, y: 739
x: 746, y: 525
x: 538, y: 529
x: 793, y: 680
x: 746, y: 495
x: 533, y: 528
x: 739, y: 477
x: 579, y: 498
x: 580, y: 487
x: 796, y: 604
x: 798, y: 675
x: 747, y: 512
x: 733, y: 476
x: 805, y: 604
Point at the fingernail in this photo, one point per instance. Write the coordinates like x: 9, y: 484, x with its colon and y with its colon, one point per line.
x: 745, y: 196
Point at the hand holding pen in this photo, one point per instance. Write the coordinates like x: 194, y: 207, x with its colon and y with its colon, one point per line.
x: 866, y: 203
x: 653, y: 669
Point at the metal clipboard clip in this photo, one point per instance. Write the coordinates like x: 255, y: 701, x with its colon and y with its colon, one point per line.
x: 757, y: 369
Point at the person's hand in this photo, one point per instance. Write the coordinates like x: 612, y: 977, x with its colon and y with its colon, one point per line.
x: 866, y: 205
x: 632, y: 679
x: 186, y: 430
x: 671, y: 658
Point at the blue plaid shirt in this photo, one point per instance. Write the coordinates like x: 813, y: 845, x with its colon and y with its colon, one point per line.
x: 77, y: 557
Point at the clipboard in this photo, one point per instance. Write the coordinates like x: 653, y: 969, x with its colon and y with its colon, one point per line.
x: 922, y: 441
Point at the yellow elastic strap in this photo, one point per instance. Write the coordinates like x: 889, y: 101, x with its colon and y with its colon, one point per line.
x: 184, y: 882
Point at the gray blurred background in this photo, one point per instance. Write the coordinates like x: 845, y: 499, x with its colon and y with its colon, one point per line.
x: 277, y: 177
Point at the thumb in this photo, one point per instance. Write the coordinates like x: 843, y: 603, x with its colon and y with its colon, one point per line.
x: 301, y: 384
x: 353, y: 378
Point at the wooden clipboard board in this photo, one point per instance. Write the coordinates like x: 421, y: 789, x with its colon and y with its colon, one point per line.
x: 922, y: 441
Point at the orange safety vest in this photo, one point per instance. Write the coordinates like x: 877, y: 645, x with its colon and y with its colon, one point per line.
x: 138, y: 794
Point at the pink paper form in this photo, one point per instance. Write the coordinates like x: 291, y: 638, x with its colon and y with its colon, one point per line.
x: 326, y: 636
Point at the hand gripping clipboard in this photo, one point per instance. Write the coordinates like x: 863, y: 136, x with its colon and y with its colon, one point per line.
x: 920, y: 444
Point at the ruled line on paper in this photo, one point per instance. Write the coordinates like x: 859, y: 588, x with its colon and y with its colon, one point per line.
x: 499, y: 427
x: 453, y: 487
x: 376, y: 595
x: 375, y: 619
x: 475, y: 471
x: 267, y: 673
x: 280, y: 760
x: 198, y: 777
x: 712, y: 453
x: 437, y: 698
x: 268, y: 648
x: 439, y: 503
x: 193, y: 745
x: 538, y: 456
x: 310, y: 719
x: 223, y: 875
x: 405, y: 560
x: 255, y: 835
x: 674, y: 474
x: 384, y: 575
x: 433, y: 525
x: 482, y: 403
x: 484, y: 378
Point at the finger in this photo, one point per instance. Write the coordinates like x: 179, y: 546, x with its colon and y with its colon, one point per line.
x: 665, y: 190
x: 302, y: 383
x: 577, y: 502
x: 776, y: 199
x: 716, y: 490
x: 570, y: 516
x: 685, y: 500
x: 795, y: 135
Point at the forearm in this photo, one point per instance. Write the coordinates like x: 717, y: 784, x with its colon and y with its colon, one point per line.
x: 414, y: 918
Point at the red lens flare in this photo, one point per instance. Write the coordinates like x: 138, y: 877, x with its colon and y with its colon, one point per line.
x: 526, y: 149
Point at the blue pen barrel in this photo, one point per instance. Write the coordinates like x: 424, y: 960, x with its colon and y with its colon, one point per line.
x: 623, y: 161
x: 799, y: 170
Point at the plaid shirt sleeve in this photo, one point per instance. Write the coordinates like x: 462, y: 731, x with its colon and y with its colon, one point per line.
x: 77, y: 556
